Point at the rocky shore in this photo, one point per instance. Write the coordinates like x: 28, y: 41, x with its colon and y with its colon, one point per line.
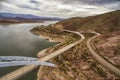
x: 49, y: 38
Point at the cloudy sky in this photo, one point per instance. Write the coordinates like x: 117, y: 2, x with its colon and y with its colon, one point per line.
x: 59, y: 8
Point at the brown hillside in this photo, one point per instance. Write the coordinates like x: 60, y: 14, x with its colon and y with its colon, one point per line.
x: 69, y: 23
x: 108, y: 46
x: 77, y: 63
x: 103, y: 23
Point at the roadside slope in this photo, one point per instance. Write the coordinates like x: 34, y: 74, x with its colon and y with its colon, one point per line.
x: 99, y: 58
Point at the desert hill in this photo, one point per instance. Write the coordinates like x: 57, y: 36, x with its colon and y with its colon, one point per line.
x: 103, y: 23
x: 77, y: 62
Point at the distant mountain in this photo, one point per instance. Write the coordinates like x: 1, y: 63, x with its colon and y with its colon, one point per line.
x: 103, y: 23
x: 25, y: 17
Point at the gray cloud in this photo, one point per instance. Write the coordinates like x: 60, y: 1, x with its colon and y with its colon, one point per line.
x: 28, y: 7
x: 37, y: 3
x: 92, y: 2
x: 60, y: 8
x: 100, y: 3
x: 33, y: 1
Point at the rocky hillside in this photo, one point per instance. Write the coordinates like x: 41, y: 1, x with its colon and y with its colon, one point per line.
x: 108, y: 47
x: 103, y: 23
x: 77, y: 62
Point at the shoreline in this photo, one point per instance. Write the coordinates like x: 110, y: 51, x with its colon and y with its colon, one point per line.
x: 42, y: 53
x: 47, y: 38
x: 50, y: 39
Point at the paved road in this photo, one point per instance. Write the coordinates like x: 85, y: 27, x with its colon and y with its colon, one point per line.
x: 24, y: 70
x: 58, y: 52
x: 82, y: 36
x: 100, y: 59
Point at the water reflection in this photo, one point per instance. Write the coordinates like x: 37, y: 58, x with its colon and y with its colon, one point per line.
x: 16, y: 40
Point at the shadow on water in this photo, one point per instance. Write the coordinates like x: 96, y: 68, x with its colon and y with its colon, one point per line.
x: 16, y: 40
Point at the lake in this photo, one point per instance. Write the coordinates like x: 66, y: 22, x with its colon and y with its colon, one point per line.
x: 16, y: 40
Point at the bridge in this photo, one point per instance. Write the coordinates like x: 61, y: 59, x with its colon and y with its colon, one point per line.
x: 26, y: 69
x: 16, y: 58
x: 7, y: 61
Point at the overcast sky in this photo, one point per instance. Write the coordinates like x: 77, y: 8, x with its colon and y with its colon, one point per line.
x: 59, y: 8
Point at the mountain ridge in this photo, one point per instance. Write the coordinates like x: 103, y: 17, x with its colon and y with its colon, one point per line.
x: 25, y: 16
x: 103, y: 23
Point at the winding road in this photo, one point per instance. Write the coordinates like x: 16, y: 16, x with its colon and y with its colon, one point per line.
x: 99, y: 58
x: 24, y: 70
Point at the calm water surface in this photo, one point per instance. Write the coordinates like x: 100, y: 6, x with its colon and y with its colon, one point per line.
x: 16, y: 40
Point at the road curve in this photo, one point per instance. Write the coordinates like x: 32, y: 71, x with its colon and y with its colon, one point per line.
x: 24, y: 70
x: 82, y: 36
x: 58, y: 52
x: 100, y: 59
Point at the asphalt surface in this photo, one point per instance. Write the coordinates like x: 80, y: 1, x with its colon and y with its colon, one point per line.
x: 100, y: 59
x: 26, y: 69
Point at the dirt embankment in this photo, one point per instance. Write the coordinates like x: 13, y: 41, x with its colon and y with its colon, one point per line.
x: 75, y: 64
x: 50, y: 33
x: 108, y: 46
